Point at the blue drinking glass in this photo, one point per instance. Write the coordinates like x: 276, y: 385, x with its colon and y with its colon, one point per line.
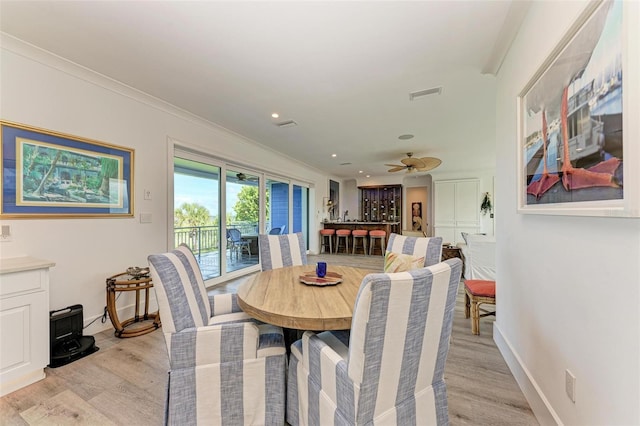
x: 321, y: 269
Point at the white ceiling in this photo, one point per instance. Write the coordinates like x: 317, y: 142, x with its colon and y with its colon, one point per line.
x: 342, y: 70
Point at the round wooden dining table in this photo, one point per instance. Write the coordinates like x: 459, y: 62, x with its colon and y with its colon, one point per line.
x: 279, y: 297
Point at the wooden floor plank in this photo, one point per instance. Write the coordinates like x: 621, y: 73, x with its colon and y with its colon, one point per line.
x: 66, y: 408
x: 131, y: 405
x: 75, y: 375
x: 9, y: 416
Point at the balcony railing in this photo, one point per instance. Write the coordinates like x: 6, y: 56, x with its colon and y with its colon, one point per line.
x: 204, y: 242
x: 205, y: 239
x: 201, y: 239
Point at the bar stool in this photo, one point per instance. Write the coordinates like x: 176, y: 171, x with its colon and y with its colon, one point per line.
x: 377, y: 234
x: 359, y: 234
x: 343, y: 233
x: 326, y: 235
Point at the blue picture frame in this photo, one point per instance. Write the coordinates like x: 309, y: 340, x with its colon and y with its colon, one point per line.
x: 47, y: 174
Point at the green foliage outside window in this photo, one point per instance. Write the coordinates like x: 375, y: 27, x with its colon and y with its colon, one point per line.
x: 247, y: 208
x: 192, y: 214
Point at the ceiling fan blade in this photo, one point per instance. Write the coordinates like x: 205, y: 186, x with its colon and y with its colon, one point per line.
x: 413, y: 162
x: 430, y: 163
x: 394, y: 165
x: 397, y: 169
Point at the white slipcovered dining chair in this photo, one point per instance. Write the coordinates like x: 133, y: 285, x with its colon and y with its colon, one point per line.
x: 225, y: 368
x: 278, y: 251
x: 390, y: 368
x: 480, y: 256
x: 428, y: 247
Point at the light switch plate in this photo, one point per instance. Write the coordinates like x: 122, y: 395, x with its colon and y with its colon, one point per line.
x: 570, y: 385
x: 6, y: 233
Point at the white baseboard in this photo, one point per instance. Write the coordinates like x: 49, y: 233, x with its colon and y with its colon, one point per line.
x: 124, y: 312
x: 542, y: 409
x: 22, y: 381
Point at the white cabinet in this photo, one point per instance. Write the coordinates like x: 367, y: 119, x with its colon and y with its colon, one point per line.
x: 24, y: 321
x: 456, y: 209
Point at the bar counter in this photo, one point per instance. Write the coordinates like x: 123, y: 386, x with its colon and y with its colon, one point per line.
x: 389, y: 227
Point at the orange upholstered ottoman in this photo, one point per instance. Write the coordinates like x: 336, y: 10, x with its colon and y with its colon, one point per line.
x: 478, y: 292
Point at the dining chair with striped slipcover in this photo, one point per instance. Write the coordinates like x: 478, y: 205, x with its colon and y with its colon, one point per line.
x: 429, y: 247
x: 389, y: 369
x: 225, y: 367
x: 278, y: 251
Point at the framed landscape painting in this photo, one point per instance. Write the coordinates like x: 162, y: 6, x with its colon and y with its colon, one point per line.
x: 577, y: 143
x: 47, y: 174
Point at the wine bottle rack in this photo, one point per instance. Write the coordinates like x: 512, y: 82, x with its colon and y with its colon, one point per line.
x: 381, y: 203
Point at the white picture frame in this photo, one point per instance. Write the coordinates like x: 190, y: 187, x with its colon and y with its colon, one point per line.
x: 582, y: 102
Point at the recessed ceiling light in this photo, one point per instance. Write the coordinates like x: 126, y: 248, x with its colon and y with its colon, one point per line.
x: 334, y: 155
x: 359, y: 171
x: 275, y: 115
x: 368, y: 175
x: 405, y: 137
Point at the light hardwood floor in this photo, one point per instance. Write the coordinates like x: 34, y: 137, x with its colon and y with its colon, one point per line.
x: 124, y: 382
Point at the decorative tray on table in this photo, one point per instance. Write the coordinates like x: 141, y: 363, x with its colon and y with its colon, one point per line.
x: 310, y: 278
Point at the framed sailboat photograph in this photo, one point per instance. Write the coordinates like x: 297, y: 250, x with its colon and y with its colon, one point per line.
x: 577, y: 143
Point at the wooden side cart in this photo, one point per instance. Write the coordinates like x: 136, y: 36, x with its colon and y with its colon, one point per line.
x: 135, y: 279
x: 449, y: 252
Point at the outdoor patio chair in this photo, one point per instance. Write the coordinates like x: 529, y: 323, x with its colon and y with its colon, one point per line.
x: 238, y: 244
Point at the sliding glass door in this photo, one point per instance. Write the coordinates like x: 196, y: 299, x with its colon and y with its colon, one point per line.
x: 196, y: 212
x: 300, y: 211
x: 277, y: 206
x: 243, y: 219
x: 220, y: 209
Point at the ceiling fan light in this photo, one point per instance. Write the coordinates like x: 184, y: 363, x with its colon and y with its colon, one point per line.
x: 287, y: 123
x: 412, y: 164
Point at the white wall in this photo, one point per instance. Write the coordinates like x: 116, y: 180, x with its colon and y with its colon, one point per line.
x: 568, y: 287
x: 43, y: 91
x: 350, y: 198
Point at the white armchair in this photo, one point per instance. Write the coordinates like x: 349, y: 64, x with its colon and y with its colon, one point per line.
x: 479, y: 257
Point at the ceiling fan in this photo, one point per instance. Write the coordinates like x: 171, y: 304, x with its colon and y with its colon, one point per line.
x: 411, y: 164
x: 242, y: 177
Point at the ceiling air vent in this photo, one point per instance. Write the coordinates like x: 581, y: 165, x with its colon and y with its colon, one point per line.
x: 422, y: 93
x: 288, y: 123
